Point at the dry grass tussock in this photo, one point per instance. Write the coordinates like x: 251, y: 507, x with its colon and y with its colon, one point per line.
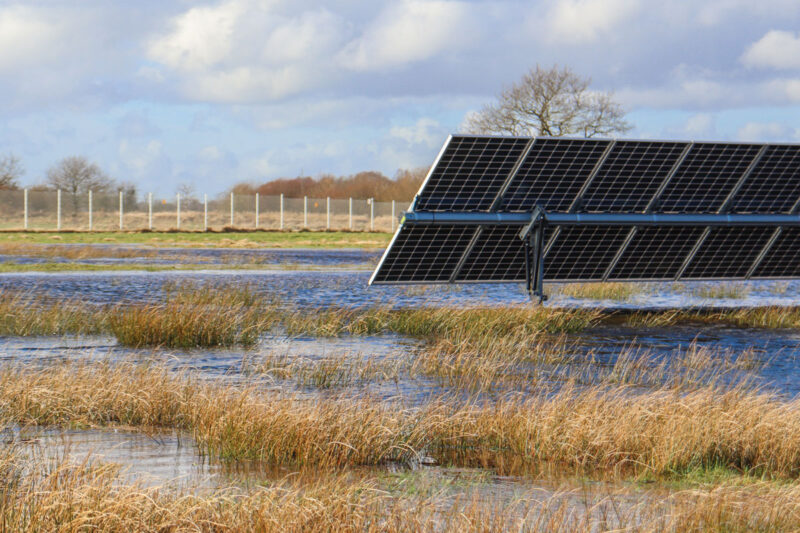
x: 604, y: 430
x: 771, y: 317
x: 73, y: 252
x: 609, y: 290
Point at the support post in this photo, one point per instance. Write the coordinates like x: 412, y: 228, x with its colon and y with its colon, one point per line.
x: 305, y: 211
x: 393, y: 216
x: 58, y: 210
x: 150, y: 211
x: 231, y: 208
x: 178, y: 210
x: 532, y: 236
x: 121, y: 211
x: 372, y: 214
x: 328, y: 213
x: 90, y: 210
x: 350, y: 214
x: 281, y: 210
x: 25, y: 209
x: 205, y: 212
x: 256, y: 210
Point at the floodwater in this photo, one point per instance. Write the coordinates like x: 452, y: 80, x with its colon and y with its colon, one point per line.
x: 173, y: 457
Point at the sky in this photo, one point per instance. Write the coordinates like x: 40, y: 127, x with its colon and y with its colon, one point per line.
x: 162, y: 93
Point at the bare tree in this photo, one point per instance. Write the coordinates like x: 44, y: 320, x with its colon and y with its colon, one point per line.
x: 76, y: 175
x: 553, y: 102
x: 10, y: 171
x: 186, y: 190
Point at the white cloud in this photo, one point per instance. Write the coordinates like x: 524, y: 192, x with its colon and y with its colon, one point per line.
x: 776, y: 49
x: 410, y: 31
x: 425, y: 131
x: 28, y: 37
x: 765, y: 131
x: 581, y: 21
x: 701, y: 125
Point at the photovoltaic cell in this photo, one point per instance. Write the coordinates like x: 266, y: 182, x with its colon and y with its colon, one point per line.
x: 583, y: 252
x: 552, y: 174
x: 727, y: 252
x: 706, y: 177
x: 470, y: 172
x: 655, y: 253
x: 498, y: 255
x: 424, y: 254
x: 783, y: 258
x: 630, y: 176
x: 774, y: 184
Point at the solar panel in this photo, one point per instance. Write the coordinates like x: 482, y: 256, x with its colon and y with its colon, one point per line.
x: 470, y: 172
x: 503, y: 209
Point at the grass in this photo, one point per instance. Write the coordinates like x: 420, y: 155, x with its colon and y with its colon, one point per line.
x: 722, y: 290
x: 227, y: 239
x: 609, y: 290
x: 601, y: 430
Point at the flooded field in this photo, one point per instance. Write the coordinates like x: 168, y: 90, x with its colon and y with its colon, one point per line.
x: 450, y: 370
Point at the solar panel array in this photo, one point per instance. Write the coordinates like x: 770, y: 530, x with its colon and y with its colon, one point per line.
x: 559, y: 175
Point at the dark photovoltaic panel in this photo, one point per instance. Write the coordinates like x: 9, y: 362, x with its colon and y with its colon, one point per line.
x: 783, y: 258
x: 470, y: 172
x: 583, y: 252
x: 630, y: 176
x: 727, y: 252
x: 552, y: 174
x: 774, y: 184
x: 425, y: 254
x: 656, y: 253
x: 498, y: 255
x: 706, y: 177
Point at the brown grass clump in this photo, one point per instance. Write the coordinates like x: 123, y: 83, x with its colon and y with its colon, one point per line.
x: 609, y: 290
x: 601, y: 429
x: 771, y: 317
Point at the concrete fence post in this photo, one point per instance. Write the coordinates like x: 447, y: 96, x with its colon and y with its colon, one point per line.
x: 90, y: 210
x: 281, y: 227
x: 205, y: 212
x: 328, y: 212
x: 372, y: 214
x: 121, y: 211
x: 150, y: 211
x: 393, y: 216
x: 256, y: 210
x: 25, y: 208
x: 58, y: 210
x: 178, y: 210
x: 231, y: 208
x: 305, y: 211
x: 350, y: 213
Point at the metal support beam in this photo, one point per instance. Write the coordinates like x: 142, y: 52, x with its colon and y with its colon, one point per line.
x: 603, y: 219
x: 577, y: 202
x: 533, y: 243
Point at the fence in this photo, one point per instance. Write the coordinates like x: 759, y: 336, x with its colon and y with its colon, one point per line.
x: 60, y: 210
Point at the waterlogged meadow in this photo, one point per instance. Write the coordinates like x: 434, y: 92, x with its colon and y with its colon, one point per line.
x: 300, y: 400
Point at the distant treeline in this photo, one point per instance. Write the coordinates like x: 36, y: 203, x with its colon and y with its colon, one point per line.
x: 375, y: 185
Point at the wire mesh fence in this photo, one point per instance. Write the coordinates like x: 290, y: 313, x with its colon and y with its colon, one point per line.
x: 88, y: 211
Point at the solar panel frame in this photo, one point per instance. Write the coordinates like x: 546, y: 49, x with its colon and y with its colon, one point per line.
x: 734, y: 180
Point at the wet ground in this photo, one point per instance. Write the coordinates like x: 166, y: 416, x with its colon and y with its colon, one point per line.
x: 174, y: 457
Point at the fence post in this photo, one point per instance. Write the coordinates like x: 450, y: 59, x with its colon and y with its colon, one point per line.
x: 231, y: 208
x: 150, y: 211
x: 256, y: 210
x: 25, y: 208
x: 350, y: 213
x: 393, y: 217
x: 328, y: 212
x: 58, y: 210
x: 372, y: 214
x: 205, y: 212
x: 90, y: 210
x: 305, y: 211
x: 281, y: 210
x: 121, y: 225
x: 178, y: 209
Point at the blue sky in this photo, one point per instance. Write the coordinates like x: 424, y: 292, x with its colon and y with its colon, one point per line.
x: 161, y: 93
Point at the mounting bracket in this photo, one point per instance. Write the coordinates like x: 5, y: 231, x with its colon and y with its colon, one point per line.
x: 532, y: 235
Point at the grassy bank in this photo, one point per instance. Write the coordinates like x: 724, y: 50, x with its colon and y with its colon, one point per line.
x: 231, y: 239
x: 603, y: 430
